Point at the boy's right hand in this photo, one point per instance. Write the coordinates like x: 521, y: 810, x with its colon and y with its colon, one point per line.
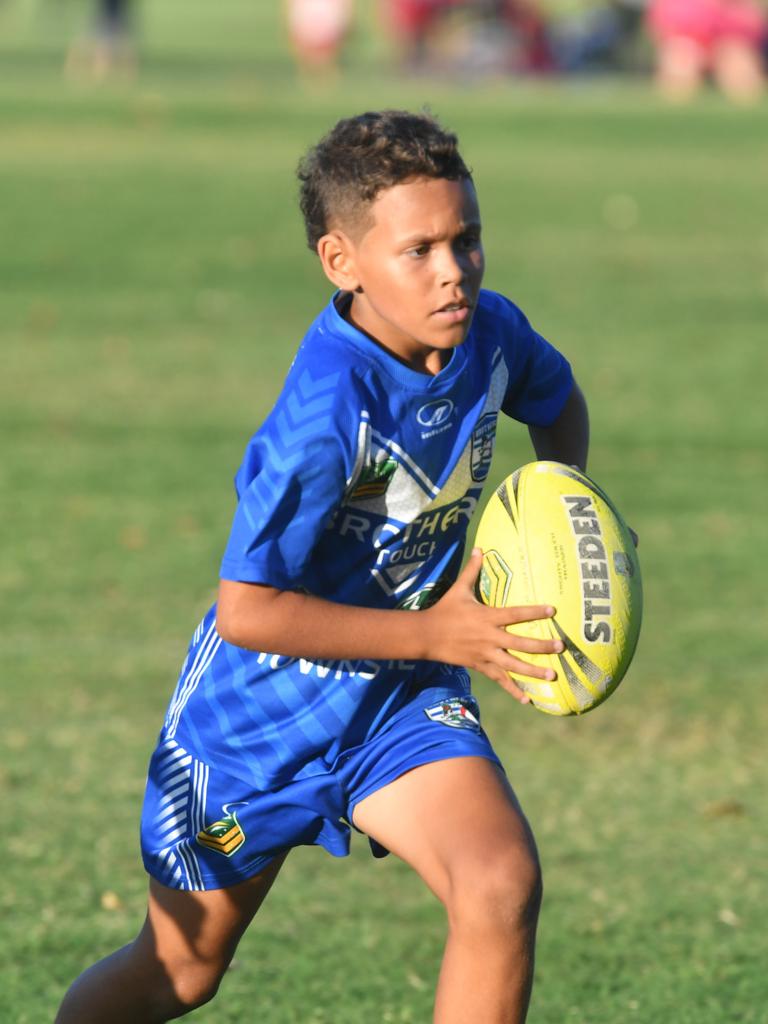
x: 465, y: 632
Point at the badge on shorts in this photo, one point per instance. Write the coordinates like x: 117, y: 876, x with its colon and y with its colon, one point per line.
x: 224, y: 836
x: 457, y: 712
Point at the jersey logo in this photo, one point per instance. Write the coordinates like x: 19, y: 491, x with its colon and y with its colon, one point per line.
x: 435, y: 417
x: 456, y: 712
x: 402, y: 553
x: 434, y: 414
x: 374, y: 479
x: 224, y: 836
x: 483, y: 437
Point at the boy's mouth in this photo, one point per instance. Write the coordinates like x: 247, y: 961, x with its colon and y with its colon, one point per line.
x: 455, y: 304
x: 454, y: 312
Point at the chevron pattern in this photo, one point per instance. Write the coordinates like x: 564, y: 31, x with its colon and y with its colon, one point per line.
x: 304, y: 413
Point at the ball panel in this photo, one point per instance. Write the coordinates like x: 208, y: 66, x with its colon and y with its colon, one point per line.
x: 495, y: 580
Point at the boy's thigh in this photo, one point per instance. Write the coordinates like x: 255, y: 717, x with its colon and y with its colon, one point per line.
x: 448, y: 819
x: 205, y: 927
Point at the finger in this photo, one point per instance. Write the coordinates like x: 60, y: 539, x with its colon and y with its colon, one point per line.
x: 507, y: 683
x: 510, y: 663
x: 471, y: 570
x: 497, y: 675
x: 523, y: 613
x: 532, y: 645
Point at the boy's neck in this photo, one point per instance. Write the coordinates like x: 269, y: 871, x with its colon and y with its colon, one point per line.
x: 433, y: 361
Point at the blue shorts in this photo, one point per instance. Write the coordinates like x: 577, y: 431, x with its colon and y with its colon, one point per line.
x: 205, y: 829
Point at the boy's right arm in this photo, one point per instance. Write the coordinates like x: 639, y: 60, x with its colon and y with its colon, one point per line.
x: 458, y: 629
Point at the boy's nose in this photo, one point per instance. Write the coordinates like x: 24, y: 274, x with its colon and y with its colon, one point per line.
x: 452, y: 269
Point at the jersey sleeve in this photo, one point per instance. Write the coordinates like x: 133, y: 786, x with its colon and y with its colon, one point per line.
x: 291, y: 481
x: 540, y: 377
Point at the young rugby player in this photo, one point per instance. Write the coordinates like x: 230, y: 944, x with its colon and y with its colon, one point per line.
x: 329, y: 683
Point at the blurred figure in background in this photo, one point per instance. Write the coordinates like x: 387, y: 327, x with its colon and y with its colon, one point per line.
x: 526, y: 23
x: 470, y: 37
x: 318, y: 30
x: 109, y: 47
x: 414, y: 23
x: 482, y: 37
x: 594, y: 35
x: 695, y: 38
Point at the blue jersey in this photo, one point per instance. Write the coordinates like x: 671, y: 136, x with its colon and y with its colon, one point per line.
x: 358, y: 488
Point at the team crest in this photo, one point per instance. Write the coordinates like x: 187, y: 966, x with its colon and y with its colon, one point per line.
x: 224, y: 836
x: 482, y: 446
x: 457, y: 712
x: 374, y: 480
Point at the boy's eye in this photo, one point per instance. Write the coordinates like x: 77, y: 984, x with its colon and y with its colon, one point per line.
x: 418, y: 250
x: 467, y: 242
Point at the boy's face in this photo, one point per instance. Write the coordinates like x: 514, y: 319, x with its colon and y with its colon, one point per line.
x: 415, y: 273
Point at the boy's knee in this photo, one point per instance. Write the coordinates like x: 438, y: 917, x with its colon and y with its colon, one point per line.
x: 502, y: 894
x: 195, y: 983
x: 181, y: 985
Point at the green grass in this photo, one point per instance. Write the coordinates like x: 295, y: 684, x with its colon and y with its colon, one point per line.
x: 154, y: 287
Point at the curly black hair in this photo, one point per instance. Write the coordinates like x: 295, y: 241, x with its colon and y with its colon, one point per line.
x: 363, y: 155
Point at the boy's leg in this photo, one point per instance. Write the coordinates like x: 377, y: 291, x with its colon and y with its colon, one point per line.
x: 459, y: 825
x: 681, y: 65
x: 739, y: 70
x: 177, y: 960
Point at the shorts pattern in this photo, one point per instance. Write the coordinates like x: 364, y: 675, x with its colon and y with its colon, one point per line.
x: 182, y: 787
x: 206, y: 829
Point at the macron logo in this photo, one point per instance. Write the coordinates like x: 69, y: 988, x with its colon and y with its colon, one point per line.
x: 434, y: 416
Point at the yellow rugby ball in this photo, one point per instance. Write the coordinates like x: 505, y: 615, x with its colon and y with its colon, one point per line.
x: 550, y: 535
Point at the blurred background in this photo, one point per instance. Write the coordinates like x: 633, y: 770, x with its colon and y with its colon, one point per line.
x: 154, y: 285
x: 683, y: 43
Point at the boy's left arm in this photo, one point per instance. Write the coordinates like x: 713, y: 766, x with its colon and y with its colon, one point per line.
x: 567, y: 439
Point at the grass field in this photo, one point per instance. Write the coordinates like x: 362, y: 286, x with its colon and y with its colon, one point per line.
x: 154, y: 285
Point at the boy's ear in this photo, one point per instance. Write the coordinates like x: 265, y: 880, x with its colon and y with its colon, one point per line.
x: 337, y: 255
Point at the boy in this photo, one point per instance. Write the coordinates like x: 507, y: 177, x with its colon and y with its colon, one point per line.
x: 327, y: 687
